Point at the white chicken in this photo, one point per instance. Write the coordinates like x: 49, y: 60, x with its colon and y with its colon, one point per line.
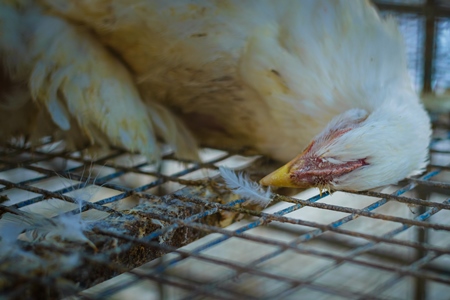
x: 272, y: 76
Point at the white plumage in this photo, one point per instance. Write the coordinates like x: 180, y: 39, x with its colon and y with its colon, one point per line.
x: 265, y: 75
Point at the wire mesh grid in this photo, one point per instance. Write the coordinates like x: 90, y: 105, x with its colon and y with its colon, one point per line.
x: 390, y: 244
x: 412, y: 29
x: 174, y: 232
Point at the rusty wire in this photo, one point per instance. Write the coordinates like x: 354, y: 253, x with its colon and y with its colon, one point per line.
x: 217, y: 289
x: 421, y: 267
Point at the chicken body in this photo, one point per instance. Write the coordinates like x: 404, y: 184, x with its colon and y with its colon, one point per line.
x: 271, y: 76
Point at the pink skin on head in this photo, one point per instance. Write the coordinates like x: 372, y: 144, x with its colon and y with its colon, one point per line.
x: 316, y: 171
x: 311, y: 170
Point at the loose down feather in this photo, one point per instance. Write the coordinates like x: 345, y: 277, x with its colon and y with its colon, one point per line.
x: 53, y: 224
x: 69, y: 228
x: 243, y: 186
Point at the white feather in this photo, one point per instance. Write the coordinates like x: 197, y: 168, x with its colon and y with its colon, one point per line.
x: 38, y: 228
x: 243, y: 186
x: 52, y: 223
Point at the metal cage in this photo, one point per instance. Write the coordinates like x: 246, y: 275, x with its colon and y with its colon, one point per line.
x: 174, y: 231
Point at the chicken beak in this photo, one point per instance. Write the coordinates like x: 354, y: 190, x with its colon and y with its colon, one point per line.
x: 282, y: 176
x: 306, y: 171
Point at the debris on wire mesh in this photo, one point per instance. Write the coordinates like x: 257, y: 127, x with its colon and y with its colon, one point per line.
x: 30, y: 243
x: 23, y: 261
x: 242, y: 185
x: 77, y: 241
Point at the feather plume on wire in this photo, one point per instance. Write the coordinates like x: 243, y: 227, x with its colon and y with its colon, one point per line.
x: 52, y: 224
x: 37, y: 228
x: 62, y: 227
x: 243, y: 186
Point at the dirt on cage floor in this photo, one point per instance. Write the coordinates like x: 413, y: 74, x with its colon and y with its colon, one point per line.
x: 175, y: 232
